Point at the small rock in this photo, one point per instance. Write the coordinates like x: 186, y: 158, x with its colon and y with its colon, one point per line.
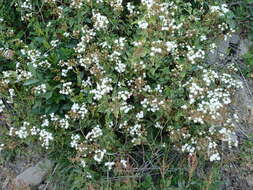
x: 217, y: 55
x: 223, y: 48
x: 234, y: 39
x: 245, y: 45
x: 33, y: 176
x: 243, y: 103
x: 250, y: 180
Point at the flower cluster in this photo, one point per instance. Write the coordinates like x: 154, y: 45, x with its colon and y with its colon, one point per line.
x: 211, y: 96
x: 76, y: 4
x: 40, y: 89
x: 78, y: 111
x: 103, y: 77
x: 221, y: 10
x: 26, y: 130
x: 66, y: 88
x: 95, y: 133
x: 100, y: 21
x: 102, y: 89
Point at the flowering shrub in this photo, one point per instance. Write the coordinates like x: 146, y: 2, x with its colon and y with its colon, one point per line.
x: 102, y: 78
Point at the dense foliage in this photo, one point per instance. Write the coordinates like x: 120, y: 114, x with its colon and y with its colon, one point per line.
x: 96, y: 80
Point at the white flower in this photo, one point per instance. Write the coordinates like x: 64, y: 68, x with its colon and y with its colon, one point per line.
x: 95, y: 133
x: 2, y: 106
x: 53, y: 117
x: 22, y: 132
x: 83, y: 163
x: 99, y: 155
x: 155, y: 50
x: 88, y: 35
x: 203, y: 38
x: 12, y: 92
x: 170, y: 46
x: 124, y: 163
x: 109, y: 165
x: 1, y: 147
x: 148, y: 3
x: 124, y: 95
x: 140, y: 115
x: 64, y: 123
x: 34, y: 130
x: 158, y: 125
x: 88, y: 175
x: 66, y: 34
x: 74, y: 140
x: 26, y: 5
x: 66, y: 88
x: 135, y: 130
x: 120, y: 67
x: 184, y: 107
x: 102, y: 88
x: 54, y: 43
x: 101, y: 21
x: 80, y: 111
x: 45, y: 137
x: 188, y: 148
x: 143, y: 24
x: 229, y: 136
x: 45, y: 123
x: 223, y: 9
x: 124, y: 107
x: 192, y: 55
x: 215, y: 157
x: 130, y: 8
x: 116, y: 4
x: 76, y: 4
x: 40, y: 89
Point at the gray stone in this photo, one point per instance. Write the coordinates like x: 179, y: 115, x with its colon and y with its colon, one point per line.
x: 250, y: 180
x: 235, y: 39
x: 219, y: 53
x: 222, y: 49
x: 33, y: 176
x: 245, y: 45
x: 243, y: 104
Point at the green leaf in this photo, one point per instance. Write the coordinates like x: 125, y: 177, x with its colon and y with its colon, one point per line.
x: 52, y: 109
x: 49, y: 95
x: 30, y: 82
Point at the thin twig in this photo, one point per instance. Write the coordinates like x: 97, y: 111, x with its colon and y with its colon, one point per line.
x: 51, y: 175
